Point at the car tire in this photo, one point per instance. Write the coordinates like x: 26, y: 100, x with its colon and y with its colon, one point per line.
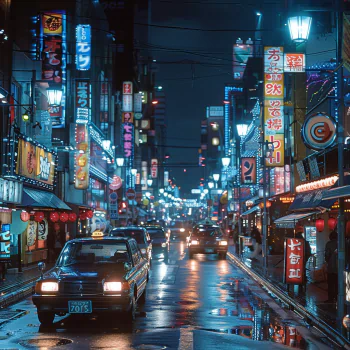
x: 131, y: 314
x: 222, y: 256
x: 46, y: 318
x: 143, y: 297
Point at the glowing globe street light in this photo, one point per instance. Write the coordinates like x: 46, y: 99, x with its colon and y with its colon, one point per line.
x: 242, y: 129
x: 299, y: 28
x: 225, y: 161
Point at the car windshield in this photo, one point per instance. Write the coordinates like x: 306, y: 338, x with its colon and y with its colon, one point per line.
x: 87, y: 253
x: 138, y: 235
x: 177, y: 224
x: 207, y: 232
x: 156, y: 233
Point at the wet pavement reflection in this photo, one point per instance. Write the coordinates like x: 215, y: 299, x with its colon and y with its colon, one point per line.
x: 184, y: 296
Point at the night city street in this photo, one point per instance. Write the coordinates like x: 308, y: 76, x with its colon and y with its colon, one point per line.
x: 202, y: 303
x: 174, y: 174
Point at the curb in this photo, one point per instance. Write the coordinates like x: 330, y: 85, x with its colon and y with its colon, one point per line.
x: 20, y: 291
x: 310, y: 318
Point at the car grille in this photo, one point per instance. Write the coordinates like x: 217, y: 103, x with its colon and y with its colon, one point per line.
x: 207, y: 242
x: 79, y: 288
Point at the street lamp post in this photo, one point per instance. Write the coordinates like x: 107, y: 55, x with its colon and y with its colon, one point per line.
x: 216, y: 178
x: 241, y: 131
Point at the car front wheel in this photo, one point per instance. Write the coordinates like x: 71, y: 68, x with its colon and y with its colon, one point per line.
x: 46, y: 318
x: 131, y: 314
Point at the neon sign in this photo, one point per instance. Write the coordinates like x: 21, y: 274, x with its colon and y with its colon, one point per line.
x: 83, y: 47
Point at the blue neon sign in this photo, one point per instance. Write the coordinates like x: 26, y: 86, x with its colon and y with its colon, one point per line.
x: 83, y: 47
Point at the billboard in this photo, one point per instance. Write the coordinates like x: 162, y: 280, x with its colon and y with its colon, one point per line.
x: 82, y: 101
x: 248, y: 170
x: 83, y: 47
x: 82, y: 157
x: 294, y: 62
x: 35, y: 163
x: 273, y: 106
x: 294, y: 255
x: 53, y: 62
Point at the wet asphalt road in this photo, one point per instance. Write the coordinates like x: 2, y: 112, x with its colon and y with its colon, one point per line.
x: 204, y: 303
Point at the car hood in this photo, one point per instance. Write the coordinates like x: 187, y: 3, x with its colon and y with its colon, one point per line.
x: 158, y: 240
x: 87, y: 273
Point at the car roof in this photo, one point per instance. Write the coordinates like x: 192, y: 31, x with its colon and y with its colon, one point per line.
x: 206, y: 226
x: 101, y: 239
x: 153, y: 226
x: 128, y: 228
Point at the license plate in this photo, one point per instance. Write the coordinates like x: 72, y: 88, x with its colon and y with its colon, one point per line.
x: 80, y: 307
x: 209, y: 250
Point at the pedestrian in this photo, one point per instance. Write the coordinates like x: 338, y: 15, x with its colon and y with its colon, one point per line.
x: 331, y: 258
x: 256, y: 236
x: 55, y: 242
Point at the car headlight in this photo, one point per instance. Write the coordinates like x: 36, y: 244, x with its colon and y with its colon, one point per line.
x: 223, y: 243
x: 49, y: 287
x: 194, y: 242
x: 182, y: 230
x: 163, y: 245
x: 143, y: 251
x: 112, y: 287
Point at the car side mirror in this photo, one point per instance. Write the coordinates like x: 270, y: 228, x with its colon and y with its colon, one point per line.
x: 41, y: 268
x: 127, y: 266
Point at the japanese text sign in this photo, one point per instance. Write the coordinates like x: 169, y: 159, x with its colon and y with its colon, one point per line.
x: 127, y: 88
x: 154, y: 168
x: 273, y: 106
x: 248, y: 170
x: 128, y: 140
x: 127, y: 103
x: 35, y: 162
x: 82, y: 157
x: 294, y: 63
x: 294, y: 256
x: 273, y: 59
x: 11, y: 191
x: 53, y: 63
x: 5, y: 242
x: 83, y: 47
x: 82, y: 101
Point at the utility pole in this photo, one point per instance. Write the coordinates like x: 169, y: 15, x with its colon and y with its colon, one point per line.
x: 340, y: 141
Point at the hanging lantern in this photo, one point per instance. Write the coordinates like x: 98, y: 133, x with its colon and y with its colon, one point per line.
x: 89, y: 214
x: 82, y: 215
x: 72, y: 217
x: 54, y: 216
x: 332, y: 223
x: 145, y: 202
x: 56, y: 226
x: 347, y: 229
x: 64, y: 217
x: 25, y: 216
x: 268, y: 205
x: 39, y: 216
x: 319, y: 225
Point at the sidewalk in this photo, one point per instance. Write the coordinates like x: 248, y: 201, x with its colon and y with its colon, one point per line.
x: 311, y: 299
x: 19, y: 285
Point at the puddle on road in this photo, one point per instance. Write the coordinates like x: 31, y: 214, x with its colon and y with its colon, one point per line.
x: 45, y: 343
x: 263, y: 323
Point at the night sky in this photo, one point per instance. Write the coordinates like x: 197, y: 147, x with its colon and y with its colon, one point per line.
x: 190, y: 87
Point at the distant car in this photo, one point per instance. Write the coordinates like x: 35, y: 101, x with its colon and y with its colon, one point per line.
x: 207, y: 239
x: 179, y: 230
x: 93, y: 276
x: 160, y: 241
x: 141, y: 236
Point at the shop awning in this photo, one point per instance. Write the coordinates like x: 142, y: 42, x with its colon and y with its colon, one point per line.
x: 311, y: 200
x: 142, y: 212
x: 251, y: 210
x: 291, y: 219
x: 42, y: 199
x: 338, y: 192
